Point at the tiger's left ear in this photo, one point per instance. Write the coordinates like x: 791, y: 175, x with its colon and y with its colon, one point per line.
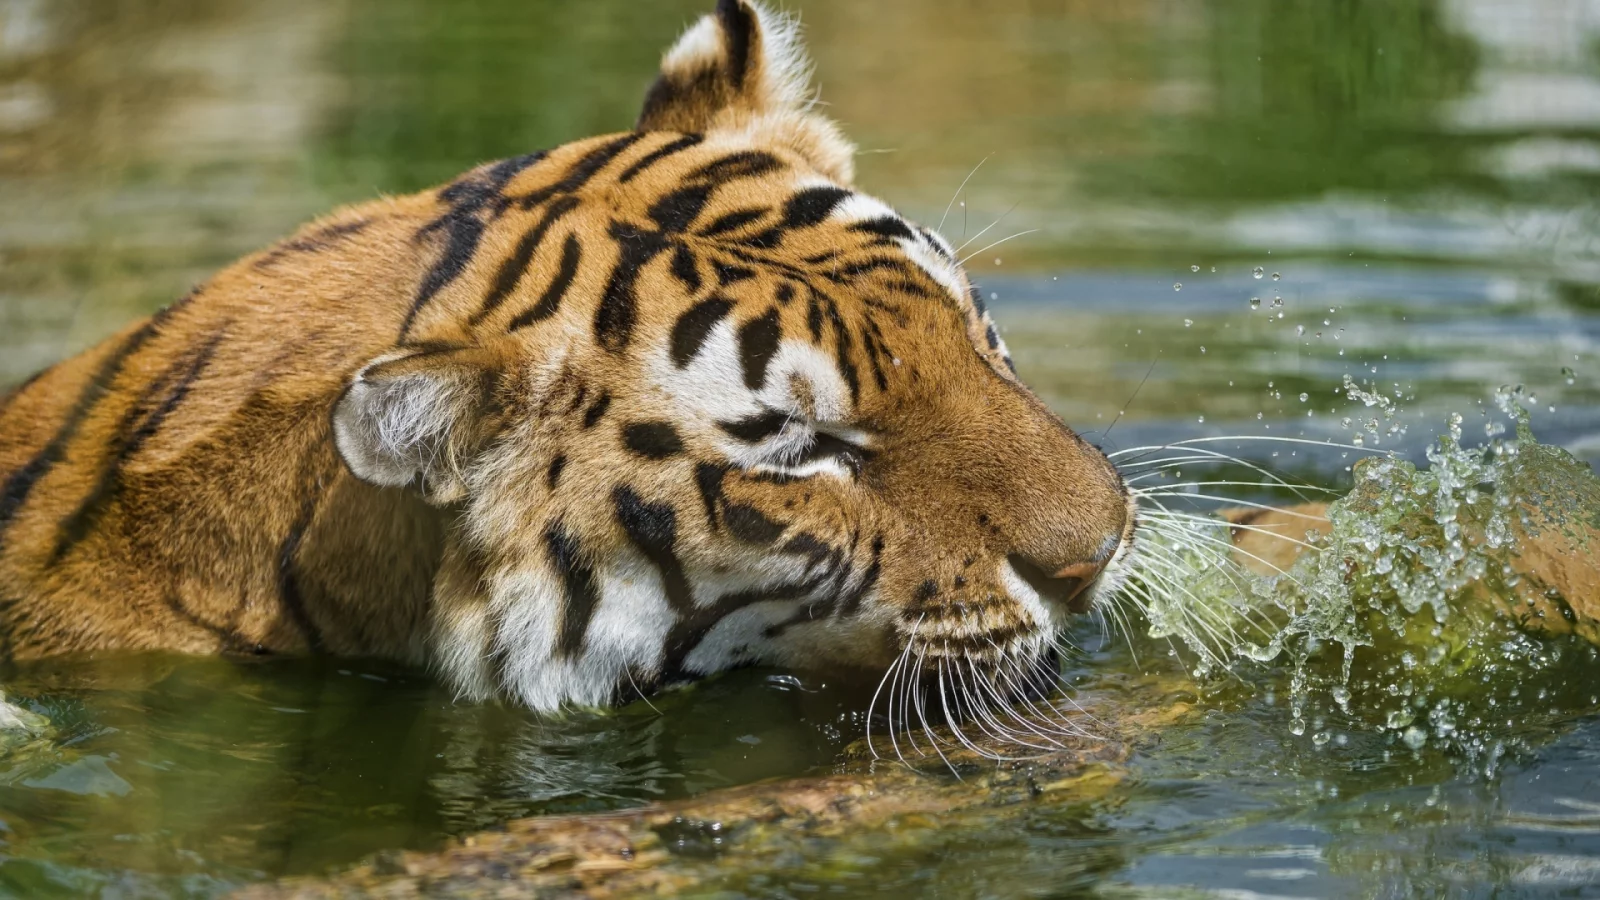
x: 742, y: 69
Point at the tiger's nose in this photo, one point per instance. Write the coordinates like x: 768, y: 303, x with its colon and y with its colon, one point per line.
x: 1066, y: 585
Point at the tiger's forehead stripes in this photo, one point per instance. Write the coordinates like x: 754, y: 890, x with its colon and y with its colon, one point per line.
x: 747, y: 233
x: 725, y: 218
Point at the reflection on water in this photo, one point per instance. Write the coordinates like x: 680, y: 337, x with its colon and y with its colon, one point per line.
x: 1415, y: 180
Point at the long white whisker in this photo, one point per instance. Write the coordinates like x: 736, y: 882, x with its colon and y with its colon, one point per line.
x: 1255, y: 438
x: 939, y: 227
x: 969, y: 256
x: 928, y: 729
x: 1218, y: 498
x: 873, y: 705
x: 986, y: 228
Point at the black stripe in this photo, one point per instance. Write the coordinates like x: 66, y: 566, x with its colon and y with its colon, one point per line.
x: 463, y: 227
x: 885, y: 226
x: 875, y: 359
x: 658, y: 154
x: 692, y: 329
x: 850, y: 604
x: 738, y: 252
x: 550, y: 300
x: 764, y: 240
x: 313, y: 243
x: 785, y: 293
x: 977, y: 300
x: 842, y: 350
x: 734, y: 166
x: 829, y: 580
x: 229, y: 638
x: 739, y: 27
x: 755, y: 429
x: 500, y: 173
x: 582, y: 593
x: 847, y: 363
x: 512, y: 270
x: 20, y: 484
x: 906, y: 285
x: 733, y: 221
x: 614, y: 319
x: 652, y: 440
x: 750, y: 525
x: 675, y: 212
x: 808, y: 545
x: 686, y: 270
x: 289, y: 595
x: 690, y: 631
x: 993, y: 337
x: 581, y: 172
x: 846, y: 273
x: 708, y: 477
x: 552, y: 476
x: 758, y: 344
x: 727, y: 273
x: 653, y: 529
x: 814, y: 317
x: 132, y: 435
x: 812, y: 206
x: 594, y: 412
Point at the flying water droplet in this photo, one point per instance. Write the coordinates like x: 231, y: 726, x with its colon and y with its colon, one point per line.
x: 1259, y: 272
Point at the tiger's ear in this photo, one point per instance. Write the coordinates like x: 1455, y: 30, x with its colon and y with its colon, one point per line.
x: 742, y: 69
x: 411, y: 419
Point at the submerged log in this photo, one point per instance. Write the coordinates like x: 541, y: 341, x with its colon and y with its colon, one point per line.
x: 866, y: 804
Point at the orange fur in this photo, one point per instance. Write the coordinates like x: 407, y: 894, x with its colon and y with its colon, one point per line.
x: 188, y: 484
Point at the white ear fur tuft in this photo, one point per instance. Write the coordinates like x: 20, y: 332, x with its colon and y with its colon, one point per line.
x: 400, y: 424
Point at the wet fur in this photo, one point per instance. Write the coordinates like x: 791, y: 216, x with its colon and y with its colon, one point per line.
x: 454, y: 428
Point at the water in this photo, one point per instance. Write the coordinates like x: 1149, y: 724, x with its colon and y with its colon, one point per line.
x: 1405, y: 189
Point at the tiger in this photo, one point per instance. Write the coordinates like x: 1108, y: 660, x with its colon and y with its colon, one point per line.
x: 577, y: 425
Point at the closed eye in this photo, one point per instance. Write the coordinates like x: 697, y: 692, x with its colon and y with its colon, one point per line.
x: 783, y: 444
x: 852, y: 456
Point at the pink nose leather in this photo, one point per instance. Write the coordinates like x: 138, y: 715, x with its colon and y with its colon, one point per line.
x: 1084, y: 572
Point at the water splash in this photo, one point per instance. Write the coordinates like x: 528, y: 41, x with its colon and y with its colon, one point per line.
x: 1431, y: 606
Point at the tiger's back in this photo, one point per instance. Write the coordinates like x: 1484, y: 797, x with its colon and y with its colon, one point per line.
x: 163, y: 490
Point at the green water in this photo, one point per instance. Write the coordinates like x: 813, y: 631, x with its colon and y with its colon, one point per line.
x: 1415, y: 180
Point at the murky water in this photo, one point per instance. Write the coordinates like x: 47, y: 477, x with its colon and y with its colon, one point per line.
x: 1414, y: 181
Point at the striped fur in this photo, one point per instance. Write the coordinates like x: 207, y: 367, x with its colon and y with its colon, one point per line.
x: 639, y: 409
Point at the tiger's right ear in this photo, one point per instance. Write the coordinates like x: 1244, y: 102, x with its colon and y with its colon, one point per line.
x: 742, y: 69
x: 412, y: 419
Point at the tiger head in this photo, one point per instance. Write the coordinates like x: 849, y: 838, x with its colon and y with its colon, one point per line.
x: 696, y: 403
